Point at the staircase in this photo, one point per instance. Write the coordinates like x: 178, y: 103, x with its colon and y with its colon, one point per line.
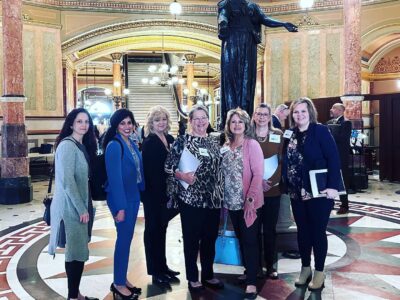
x: 144, y: 96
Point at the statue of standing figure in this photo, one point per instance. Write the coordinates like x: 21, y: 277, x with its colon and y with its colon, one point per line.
x: 239, y: 28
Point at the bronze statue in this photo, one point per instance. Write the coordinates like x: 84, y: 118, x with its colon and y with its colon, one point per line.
x: 239, y: 28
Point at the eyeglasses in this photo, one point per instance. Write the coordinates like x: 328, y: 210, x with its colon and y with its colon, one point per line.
x: 262, y: 115
x: 200, y: 119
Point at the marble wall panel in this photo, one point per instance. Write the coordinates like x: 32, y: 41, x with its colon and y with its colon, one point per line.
x: 333, y: 64
x: 314, y: 67
x: 295, y: 68
x: 49, y: 71
x: 276, y: 71
x: 30, y: 64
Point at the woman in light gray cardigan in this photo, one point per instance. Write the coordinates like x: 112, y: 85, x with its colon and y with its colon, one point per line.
x: 71, y: 208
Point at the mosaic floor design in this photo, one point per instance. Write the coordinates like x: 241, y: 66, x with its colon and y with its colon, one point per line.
x: 363, y: 262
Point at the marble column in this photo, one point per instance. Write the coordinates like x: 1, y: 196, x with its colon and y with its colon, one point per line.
x: 15, y: 182
x: 352, y: 76
x: 75, y: 86
x: 190, y: 78
x: 117, y: 84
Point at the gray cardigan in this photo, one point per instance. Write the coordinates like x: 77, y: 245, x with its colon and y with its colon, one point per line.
x: 70, y: 200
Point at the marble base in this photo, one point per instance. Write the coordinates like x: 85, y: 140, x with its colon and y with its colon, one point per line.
x: 16, y: 190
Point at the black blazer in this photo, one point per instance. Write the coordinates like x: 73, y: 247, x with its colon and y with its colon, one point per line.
x: 154, y: 155
x: 341, y: 131
x: 276, y: 123
x: 319, y: 152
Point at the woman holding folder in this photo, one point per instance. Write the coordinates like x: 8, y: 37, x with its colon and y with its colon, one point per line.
x: 243, y: 168
x: 271, y: 142
x: 310, y: 147
x: 193, y: 165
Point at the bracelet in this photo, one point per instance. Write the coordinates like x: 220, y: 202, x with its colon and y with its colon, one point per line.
x: 250, y: 200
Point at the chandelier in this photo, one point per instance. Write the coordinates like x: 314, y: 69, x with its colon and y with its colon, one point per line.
x: 164, y: 74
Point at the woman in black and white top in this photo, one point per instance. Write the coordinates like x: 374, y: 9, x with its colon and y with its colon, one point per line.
x: 200, y: 203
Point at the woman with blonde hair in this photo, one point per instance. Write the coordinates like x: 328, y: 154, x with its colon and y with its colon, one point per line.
x: 155, y: 148
x: 243, y: 168
x: 310, y: 147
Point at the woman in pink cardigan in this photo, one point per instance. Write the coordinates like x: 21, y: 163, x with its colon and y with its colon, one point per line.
x: 243, y: 168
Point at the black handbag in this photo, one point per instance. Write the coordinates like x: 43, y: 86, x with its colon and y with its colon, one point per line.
x: 48, y: 199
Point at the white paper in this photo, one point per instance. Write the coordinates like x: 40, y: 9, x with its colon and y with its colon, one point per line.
x: 270, y: 166
x: 187, y: 163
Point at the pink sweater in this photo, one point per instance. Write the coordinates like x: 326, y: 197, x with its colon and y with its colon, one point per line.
x: 253, y: 171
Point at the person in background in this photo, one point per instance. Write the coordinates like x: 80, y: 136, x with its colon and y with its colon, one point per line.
x: 71, y: 208
x: 243, y: 168
x: 310, y: 147
x: 199, y: 203
x: 280, y: 115
x: 271, y: 142
x: 341, y: 131
x: 125, y: 180
x: 155, y: 149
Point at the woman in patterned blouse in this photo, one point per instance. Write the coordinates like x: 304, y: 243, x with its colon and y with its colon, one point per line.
x: 311, y: 147
x: 243, y: 168
x: 200, y: 202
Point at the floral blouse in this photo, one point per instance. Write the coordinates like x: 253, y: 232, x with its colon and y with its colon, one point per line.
x: 295, y: 166
x: 206, y: 192
x: 232, y: 169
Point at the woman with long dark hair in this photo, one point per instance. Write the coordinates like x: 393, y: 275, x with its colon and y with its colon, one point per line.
x: 71, y: 208
x: 125, y: 180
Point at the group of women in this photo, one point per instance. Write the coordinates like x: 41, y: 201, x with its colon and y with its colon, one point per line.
x: 231, y: 176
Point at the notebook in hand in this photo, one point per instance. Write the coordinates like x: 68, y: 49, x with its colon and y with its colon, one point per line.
x: 319, y: 178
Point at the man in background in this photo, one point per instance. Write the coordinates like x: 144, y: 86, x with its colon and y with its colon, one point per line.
x: 341, y: 131
x: 280, y: 115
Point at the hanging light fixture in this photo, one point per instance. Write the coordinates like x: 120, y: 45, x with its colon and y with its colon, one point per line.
x: 163, y: 74
x: 175, y: 8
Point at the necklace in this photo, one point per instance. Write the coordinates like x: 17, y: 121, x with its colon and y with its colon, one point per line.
x: 262, y: 139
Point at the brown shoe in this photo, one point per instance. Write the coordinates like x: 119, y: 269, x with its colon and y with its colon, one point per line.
x: 342, y: 211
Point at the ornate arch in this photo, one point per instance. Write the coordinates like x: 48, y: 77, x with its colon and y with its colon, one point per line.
x: 179, y: 35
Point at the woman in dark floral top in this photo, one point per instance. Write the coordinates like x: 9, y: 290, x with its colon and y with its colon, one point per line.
x: 200, y: 202
x: 311, y: 147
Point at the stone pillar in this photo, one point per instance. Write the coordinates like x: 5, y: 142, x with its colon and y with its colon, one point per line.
x: 75, y: 86
x: 116, y: 57
x: 352, y: 76
x: 65, y: 85
x: 15, y: 182
x: 189, y: 78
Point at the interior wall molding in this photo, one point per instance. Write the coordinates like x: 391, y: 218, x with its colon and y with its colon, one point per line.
x: 209, y: 7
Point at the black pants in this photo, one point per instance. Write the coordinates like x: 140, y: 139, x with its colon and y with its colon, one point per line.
x: 248, y: 241
x: 312, y: 218
x: 74, y: 270
x: 157, y: 216
x: 268, y: 220
x: 200, y: 231
x: 344, y: 199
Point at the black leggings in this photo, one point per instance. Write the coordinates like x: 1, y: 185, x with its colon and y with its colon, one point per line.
x: 74, y: 270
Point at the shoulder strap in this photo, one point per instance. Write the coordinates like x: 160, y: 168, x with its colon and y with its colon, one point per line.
x: 122, y: 146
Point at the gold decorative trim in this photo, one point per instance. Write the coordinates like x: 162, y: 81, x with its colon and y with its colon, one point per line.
x: 145, y: 24
x: 146, y: 40
x: 379, y: 77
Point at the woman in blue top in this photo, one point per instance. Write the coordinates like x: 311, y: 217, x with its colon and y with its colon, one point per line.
x: 125, y: 180
x: 310, y: 147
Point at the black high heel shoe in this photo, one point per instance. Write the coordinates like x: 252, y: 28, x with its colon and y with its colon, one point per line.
x: 134, y: 290
x: 116, y: 293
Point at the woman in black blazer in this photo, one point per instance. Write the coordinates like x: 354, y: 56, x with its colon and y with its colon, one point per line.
x: 310, y: 147
x: 155, y: 149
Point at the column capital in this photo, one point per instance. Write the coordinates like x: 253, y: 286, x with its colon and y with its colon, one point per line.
x: 116, y: 57
x: 352, y: 98
x: 190, y: 58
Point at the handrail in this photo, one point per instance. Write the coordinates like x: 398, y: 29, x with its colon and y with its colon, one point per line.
x: 181, y: 113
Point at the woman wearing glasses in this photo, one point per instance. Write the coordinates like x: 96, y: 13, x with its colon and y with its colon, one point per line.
x: 200, y: 201
x: 271, y: 143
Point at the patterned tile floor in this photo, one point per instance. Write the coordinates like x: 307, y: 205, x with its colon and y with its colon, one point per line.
x: 363, y: 260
